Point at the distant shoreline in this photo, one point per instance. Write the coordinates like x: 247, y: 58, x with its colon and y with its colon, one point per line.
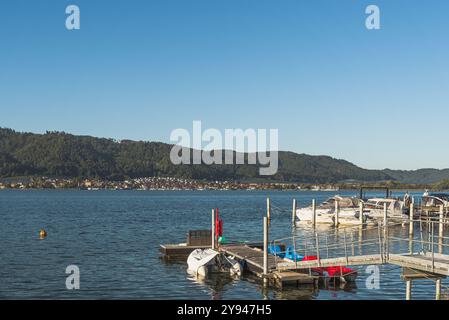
x: 177, y: 184
x: 201, y: 190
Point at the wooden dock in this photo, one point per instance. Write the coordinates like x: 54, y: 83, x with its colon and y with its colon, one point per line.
x: 178, y: 251
x: 291, y: 278
x: 439, y: 265
x: 252, y: 259
x: 423, y: 254
x: 196, y: 239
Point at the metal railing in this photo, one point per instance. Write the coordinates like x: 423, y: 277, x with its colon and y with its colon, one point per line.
x: 426, y: 238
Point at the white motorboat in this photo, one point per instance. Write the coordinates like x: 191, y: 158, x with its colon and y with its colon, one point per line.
x: 325, y: 212
x: 435, y: 199
x: 395, y: 208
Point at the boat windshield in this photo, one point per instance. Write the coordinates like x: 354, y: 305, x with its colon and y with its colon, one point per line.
x: 442, y: 196
x: 342, y: 202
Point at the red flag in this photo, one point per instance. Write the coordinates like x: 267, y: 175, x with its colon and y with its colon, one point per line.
x: 218, y: 224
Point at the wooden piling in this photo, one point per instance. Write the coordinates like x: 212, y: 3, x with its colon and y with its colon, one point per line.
x: 213, y: 229
x: 411, y: 215
x: 268, y: 211
x: 294, y: 213
x: 337, y: 212
x: 408, y: 290
x: 360, y: 239
x: 411, y: 225
x: 438, y: 289
x: 314, y: 213
x: 386, y: 229
x: 361, y: 212
x: 265, y: 249
x: 441, y: 230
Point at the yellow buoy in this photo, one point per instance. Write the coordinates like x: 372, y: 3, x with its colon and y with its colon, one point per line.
x: 42, y: 233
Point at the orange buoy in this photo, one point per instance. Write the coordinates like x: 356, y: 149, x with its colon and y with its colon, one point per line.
x: 42, y: 233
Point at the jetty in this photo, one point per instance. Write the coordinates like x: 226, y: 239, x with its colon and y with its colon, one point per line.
x: 196, y: 239
x: 417, y: 244
x: 253, y: 261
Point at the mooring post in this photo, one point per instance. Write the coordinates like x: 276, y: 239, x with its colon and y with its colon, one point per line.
x: 441, y: 230
x: 411, y: 225
x: 408, y: 290
x: 360, y: 239
x: 265, y: 250
x: 411, y: 215
x: 433, y: 245
x: 438, y: 289
x: 314, y: 213
x: 213, y: 229
x: 352, y: 243
x: 268, y: 210
x: 294, y: 213
x: 337, y: 212
x: 361, y: 212
x: 386, y: 230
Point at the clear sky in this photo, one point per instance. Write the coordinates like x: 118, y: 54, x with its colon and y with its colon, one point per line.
x: 139, y: 69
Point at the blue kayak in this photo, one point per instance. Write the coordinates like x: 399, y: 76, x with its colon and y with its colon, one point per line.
x: 276, y: 251
x: 292, y: 255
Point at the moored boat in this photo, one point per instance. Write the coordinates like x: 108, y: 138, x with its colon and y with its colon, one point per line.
x: 325, y: 213
x: 395, y: 208
x: 435, y: 199
x: 203, y: 262
x: 200, y: 261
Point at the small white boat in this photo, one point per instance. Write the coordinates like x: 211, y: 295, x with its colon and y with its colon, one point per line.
x: 203, y: 262
x: 200, y: 261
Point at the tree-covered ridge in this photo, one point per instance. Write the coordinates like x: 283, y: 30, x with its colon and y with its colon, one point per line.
x: 60, y: 154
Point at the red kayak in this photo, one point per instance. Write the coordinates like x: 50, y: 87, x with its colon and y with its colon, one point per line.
x: 347, y: 274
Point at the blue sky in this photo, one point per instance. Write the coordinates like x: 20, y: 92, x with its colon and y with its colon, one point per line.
x: 139, y: 69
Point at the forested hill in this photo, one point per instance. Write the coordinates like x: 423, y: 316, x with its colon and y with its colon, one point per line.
x: 58, y: 154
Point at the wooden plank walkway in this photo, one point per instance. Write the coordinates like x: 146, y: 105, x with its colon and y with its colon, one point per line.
x: 332, y: 262
x: 177, y: 251
x: 422, y: 262
x: 252, y: 256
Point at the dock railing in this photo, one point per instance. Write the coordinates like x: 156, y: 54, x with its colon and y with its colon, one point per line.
x: 349, y: 245
x: 344, y: 243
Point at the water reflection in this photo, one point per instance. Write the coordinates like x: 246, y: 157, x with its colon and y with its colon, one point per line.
x: 216, y: 283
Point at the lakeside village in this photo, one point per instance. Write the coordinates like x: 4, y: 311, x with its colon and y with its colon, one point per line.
x: 171, y: 183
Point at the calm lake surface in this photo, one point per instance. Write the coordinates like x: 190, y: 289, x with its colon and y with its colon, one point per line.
x: 113, y: 237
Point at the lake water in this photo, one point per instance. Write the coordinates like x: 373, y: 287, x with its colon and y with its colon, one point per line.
x: 113, y: 237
